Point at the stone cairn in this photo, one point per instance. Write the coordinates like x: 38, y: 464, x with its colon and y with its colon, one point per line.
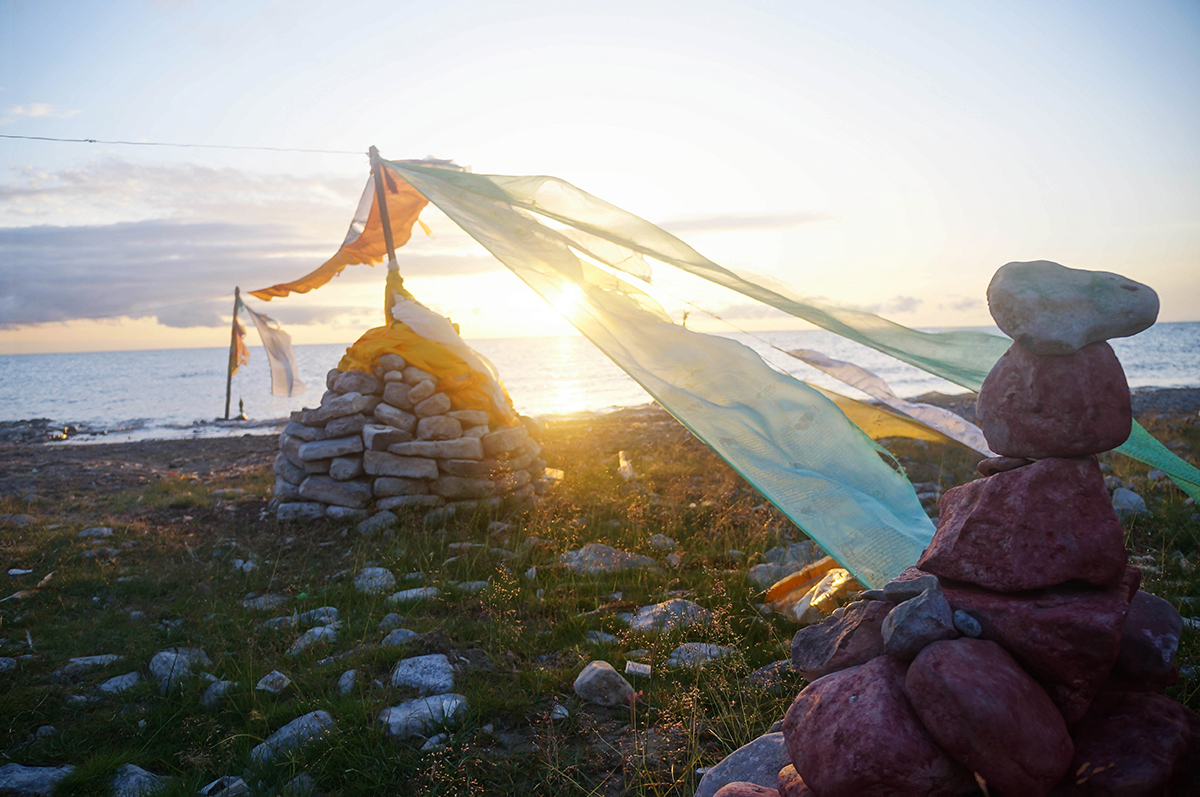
x: 1018, y: 657
x: 390, y: 439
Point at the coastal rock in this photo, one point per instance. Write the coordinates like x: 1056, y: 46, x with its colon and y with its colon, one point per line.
x: 415, y: 376
x: 1127, y: 743
x: 462, y: 448
x: 902, y: 589
x: 457, y: 487
x: 503, y: 441
x: 274, y: 682
x: 391, y: 362
x: 336, y: 407
x: 1128, y: 504
x: 853, y: 733
x: 1054, y: 310
x: 437, y: 404
x: 398, y: 637
x: 415, y: 594
x: 387, y: 486
x: 469, y: 418
x: 346, y: 682
x: 377, y: 436
x: 421, y: 391
x: 133, y: 781
x: 22, y: 781
x: 355, y: 382
x: 439, y: 427
x: 346, y: 426
x: 321, y: 635
x: 374, y: 580
x: 120, y: 683
x: 378, y: 522
x: 396, y: 395
x: 80, y: 664
x: 757, y: 762
x: 417, y: 717
x: 304, y: 433
x: 346, y: 468
x: 1038, y: 406
x: 382, y: 463
x: 1149, y: 642
x: 851, y: 636
x: 1029, y: 528
x: 429, y: 675
x: 916, y: 623
x: 789, y: 783
x: 599, y: 683
x: 1067, y: 637
x: 215, y: 694
x: 353, y: 494
x: 595, y: 558
x: 266, y: 602
x: 301, y: 510
x: 691, y: 655
x: 986, y: 712
x: 327, y: 449
x: 669, y: 616
x: 298, y: 733
x: 393, y: 416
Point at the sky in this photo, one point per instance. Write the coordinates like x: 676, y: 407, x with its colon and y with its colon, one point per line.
x: 888, y: 156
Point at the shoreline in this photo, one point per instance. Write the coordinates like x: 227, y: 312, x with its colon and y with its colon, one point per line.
x: 45, y: 431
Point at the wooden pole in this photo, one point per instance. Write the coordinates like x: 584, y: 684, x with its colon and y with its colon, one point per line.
x: 237, y: 301
x: 385, y: 220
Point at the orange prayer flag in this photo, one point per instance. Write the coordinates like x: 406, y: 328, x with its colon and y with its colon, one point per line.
x: 364, y: 242
x: 239, y: 355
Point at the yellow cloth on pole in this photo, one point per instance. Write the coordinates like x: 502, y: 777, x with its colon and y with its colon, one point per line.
x: 466, y: 388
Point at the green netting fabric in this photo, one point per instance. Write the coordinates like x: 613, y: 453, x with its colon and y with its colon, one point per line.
x: 827, y: 477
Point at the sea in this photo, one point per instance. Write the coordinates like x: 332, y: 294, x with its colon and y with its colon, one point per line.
x: 179, y: 393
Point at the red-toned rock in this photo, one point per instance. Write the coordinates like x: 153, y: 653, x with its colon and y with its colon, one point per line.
x: 854, y: 733
x: 990, y: 715
x: 1128, y: 743
x: 847, y: 638
x: 1029, y: 528
x: 790, y: 784
x: 1066, y: 637
x: 993, y: 465
x: 745, y: 790
x: 1185, y: 781
x: 1149, y: 641
x: 1039, y: 406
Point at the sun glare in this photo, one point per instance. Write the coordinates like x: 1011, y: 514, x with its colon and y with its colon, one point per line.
x: 568, y: 299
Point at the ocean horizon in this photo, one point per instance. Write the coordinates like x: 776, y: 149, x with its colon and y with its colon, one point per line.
x: 176, y: 393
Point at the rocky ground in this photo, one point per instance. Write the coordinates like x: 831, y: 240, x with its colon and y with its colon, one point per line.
x: 159, y: 623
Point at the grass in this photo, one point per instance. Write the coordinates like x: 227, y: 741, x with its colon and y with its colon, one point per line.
x: 519, y: 643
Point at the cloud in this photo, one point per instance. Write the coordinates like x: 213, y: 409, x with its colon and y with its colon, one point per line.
x: 960, y: 303
x: 749, y: 310
x: 39, y: 110
x: 746, y: 222
x: 896, y: 304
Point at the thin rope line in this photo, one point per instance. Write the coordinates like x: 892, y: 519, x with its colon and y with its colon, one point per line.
x: 184, y: 146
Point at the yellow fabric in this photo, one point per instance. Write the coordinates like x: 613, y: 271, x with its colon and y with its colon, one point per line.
x: 404, y: 204
x: 464, y: 386
x: 880, y: 422
x: 239, y: 355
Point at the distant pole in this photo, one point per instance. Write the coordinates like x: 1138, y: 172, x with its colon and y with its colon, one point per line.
x: 385, y: 220
x: 237, y: 300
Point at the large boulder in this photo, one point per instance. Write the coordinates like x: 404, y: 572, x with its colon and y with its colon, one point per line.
x: 1039, y: 406
x: 758, y: 762
x: 850, y: 636
x: 1067, y: 637
x: 1029, y: 528
x: 1127, y: 743
x: 1055, y: 310
x: 1149, y: 642
x: 854, y: 733
x: 990, y: 715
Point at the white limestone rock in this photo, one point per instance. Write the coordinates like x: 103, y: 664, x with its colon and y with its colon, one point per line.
x: 378, y: 436
x: 595, y: 559
x: 398, y: 637
x: 462, y: 448
x: 301, y: 510
x: 415, y: 594
x: 216, y: 692
x: 355, y: 382
x: 1053, y: 310
x: 133, y: 781
x: 437, y: 404
x: 418, y: 717
x: 399, y: 501
x: 380, y: 463
x: 502, y: 441
x: 439, y: 427
x: 305, y: 434
x: 119, y: 683
x: 346, y: 682
x: 668, y: 616
x: 22, y: 781
x: 274, y: 682
x: 327, y: 449
x: 395, y: 417
x: 80, y: 664
x: 353, y: 494
x: 429, y: 675
x: 262, y: 603
x: 756, y: 762
x: 346, y: 468
x: 298, y: 733
x: 599, y: 683
x: 321, y: 635
x: 454, y: 487
x: 421, y: 391
x: 344, y: 513
x: 469, y: 417
x: 415, y: 376
x: 374, y: 580
x: 391, y: 362
x: 387, y: 486
x: 697, y: 654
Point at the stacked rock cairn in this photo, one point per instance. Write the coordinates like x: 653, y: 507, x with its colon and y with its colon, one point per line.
x: 390, y: 439
x: 1018, y: 657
